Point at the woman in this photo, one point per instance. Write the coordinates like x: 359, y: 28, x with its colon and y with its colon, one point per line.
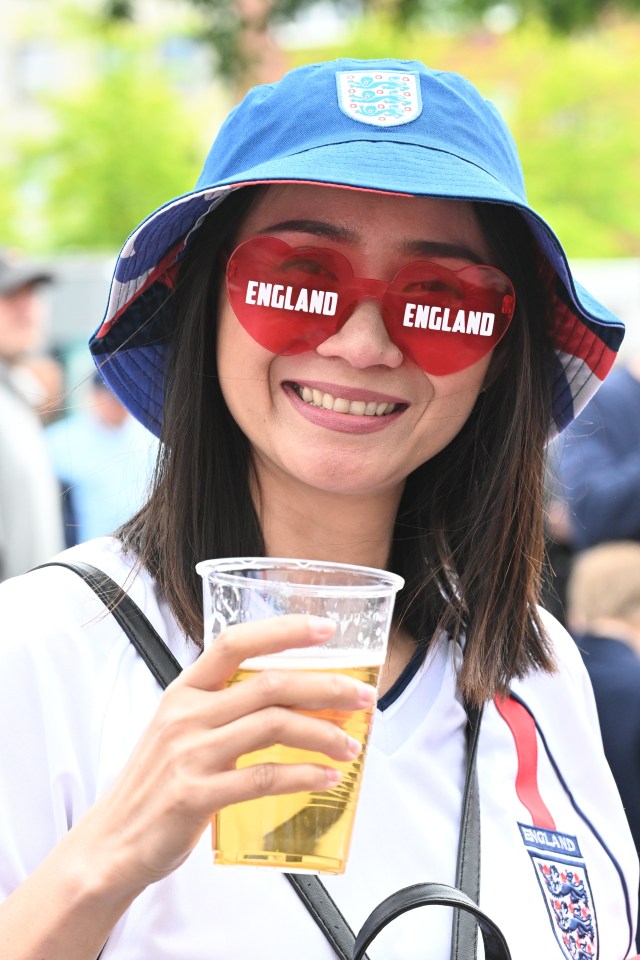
x: 388, y: 409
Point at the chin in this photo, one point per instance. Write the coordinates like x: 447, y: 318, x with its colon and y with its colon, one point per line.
x: 347, y: 479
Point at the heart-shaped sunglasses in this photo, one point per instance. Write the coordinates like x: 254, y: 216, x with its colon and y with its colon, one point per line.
x: 292, y: 299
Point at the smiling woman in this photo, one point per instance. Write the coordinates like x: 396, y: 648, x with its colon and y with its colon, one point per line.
x: 353, y: 338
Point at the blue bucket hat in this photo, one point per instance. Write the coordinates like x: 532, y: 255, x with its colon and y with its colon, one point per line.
x: 387, y: 125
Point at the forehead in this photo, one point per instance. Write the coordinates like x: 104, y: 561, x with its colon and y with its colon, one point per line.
x: 365, y: 217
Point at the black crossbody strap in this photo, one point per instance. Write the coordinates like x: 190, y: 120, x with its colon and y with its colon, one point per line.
x: 464, y: 943
x: 424, y: 895
x: 151, y: 647
x: 326, y: 913
x: 464, y: 939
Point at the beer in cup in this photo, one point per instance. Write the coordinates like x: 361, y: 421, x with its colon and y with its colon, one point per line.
x: 301, y: 832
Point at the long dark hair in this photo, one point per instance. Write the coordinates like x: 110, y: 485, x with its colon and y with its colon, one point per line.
x: 468, y: 537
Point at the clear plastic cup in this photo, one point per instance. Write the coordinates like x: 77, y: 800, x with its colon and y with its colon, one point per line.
x: 302, y: 832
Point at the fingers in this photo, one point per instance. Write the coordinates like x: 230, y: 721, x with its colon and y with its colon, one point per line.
x: 278, y: 725
x: 213, y: 729
x: 257, y: 638
x: 268, y: 779
x: 297, y: 689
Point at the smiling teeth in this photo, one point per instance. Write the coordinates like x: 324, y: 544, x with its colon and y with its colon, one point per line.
x: 358, y: 408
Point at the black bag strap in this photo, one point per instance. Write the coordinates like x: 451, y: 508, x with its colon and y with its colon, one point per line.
x: 326, y: 913
x: 464, y: 941
x: 165, y: 668
x: 427, y: 894
x: 149, y: 644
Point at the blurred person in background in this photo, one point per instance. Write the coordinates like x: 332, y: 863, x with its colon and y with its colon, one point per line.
x: 603, y: 614
x: 594, y: 478
x: 30, y: 514
x: 598, y: 464
x: 103, y: 460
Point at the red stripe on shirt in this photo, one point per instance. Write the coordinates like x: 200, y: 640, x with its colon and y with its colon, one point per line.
x: 523, y: 729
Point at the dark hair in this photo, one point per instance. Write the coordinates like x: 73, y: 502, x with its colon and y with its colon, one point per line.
x: 468, y: 536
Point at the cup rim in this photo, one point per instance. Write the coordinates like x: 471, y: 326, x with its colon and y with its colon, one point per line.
x: 385, y: 582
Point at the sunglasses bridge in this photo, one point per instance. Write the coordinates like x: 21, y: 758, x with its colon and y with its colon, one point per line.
x: 360, y: 289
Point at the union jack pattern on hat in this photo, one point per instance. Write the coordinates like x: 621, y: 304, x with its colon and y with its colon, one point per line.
x: 388, y: 125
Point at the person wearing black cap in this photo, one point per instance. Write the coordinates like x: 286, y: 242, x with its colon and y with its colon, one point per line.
x: 353, y: 338
x: 30, y: 504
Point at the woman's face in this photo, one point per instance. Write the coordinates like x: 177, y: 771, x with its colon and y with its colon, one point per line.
x: 314, y: 442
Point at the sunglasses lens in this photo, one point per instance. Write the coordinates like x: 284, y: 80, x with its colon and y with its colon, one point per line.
x: 446, y: 320
x: 285, y: 298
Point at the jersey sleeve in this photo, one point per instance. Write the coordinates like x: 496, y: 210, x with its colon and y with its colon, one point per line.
x: 57, y: 669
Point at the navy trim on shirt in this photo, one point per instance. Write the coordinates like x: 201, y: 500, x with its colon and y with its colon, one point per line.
x: 404, y: 679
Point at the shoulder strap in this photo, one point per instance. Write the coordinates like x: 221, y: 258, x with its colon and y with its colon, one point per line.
x: 464, y: 943
x: 151, y: 647
x: 326, y: 913
x: 424, y: 895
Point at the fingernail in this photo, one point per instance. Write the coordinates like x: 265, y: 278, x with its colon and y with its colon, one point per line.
x: 321, y: 628
x: 354, y: 746
x: 333, y: 776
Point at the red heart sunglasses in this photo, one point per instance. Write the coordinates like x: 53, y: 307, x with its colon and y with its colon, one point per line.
x: 292, y: 299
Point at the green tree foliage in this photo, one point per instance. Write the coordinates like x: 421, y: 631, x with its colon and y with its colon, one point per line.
x: 224, y: 22
x: 10, y: 232
x: 577, y: 119
x: 119, y: 148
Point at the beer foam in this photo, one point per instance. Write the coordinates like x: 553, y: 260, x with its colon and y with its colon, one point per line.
x: 314, y: 659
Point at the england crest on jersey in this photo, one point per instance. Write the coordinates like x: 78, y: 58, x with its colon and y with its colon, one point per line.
x: 383, y: 98
x: 564, y: 883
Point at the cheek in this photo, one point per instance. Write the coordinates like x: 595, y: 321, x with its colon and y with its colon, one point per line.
x: 243, y: 368
x: 236, y: 352
x: 459, y: 391
x: 452, y: 400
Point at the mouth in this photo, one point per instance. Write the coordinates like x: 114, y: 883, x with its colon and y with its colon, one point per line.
x: 353, y: 407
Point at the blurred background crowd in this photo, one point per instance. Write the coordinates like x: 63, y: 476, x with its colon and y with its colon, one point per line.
x: 91, y: 93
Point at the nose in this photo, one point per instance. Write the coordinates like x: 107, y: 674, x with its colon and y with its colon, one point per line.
x: 363, y: 341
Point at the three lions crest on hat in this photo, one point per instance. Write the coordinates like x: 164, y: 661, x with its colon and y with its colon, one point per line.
x: 384, y: 98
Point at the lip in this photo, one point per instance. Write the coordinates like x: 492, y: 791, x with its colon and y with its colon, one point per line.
x: 341, y: 422
x: 348, y: 393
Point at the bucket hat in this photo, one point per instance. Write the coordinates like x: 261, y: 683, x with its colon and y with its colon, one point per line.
x: 387, y: 125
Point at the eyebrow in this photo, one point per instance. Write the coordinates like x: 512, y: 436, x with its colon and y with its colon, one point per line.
x: 317, y: 228
x: 422, y: 248
x: 437, y: 248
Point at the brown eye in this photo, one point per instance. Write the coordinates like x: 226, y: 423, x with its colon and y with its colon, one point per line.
x: 430, y: 286
x: 307, y: 265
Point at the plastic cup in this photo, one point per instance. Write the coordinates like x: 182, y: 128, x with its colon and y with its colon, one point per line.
x: 301, y: 832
